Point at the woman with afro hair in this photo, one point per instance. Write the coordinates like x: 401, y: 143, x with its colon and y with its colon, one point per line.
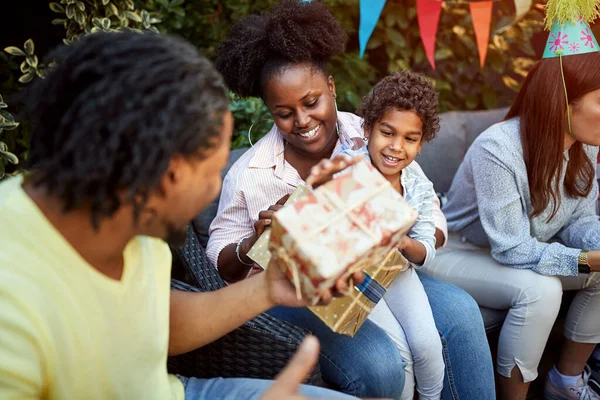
x: 282, y: 57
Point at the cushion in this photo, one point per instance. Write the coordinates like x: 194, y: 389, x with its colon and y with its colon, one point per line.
x: 458, y: 129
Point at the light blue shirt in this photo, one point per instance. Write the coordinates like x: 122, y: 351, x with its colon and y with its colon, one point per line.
x: 419, y: 194
x: 489, y: 203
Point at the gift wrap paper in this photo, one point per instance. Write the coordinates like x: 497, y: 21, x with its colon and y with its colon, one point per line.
x: 351, y: 223
x: 259, y: 253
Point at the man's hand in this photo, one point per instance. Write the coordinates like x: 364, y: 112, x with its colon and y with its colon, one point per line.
x: 282, y: 292
x: 287, y: 382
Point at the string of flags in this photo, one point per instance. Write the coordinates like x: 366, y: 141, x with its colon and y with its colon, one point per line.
x: 428, y: 17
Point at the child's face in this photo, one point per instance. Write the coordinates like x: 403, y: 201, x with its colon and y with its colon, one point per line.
x: 394, y: 141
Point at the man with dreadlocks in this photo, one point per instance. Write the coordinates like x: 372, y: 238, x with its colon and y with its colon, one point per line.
x: 130, y: 132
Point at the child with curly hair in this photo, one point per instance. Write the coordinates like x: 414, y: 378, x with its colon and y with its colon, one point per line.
x: 399, y: 116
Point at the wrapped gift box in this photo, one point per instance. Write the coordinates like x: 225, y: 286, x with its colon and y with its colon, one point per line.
x: 348, y: 224
x: 347, y: 314
x: 259, y: 253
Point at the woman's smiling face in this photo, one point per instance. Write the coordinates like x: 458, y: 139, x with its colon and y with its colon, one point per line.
x: 301, y: 100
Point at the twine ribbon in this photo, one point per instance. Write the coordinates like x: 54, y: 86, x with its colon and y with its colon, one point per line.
x: 328, y: 198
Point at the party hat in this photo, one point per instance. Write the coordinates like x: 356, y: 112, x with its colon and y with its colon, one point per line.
x: 570, y: 32
x: 570, y: 38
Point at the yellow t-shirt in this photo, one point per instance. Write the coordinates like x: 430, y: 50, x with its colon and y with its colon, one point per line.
x: 69, y: 332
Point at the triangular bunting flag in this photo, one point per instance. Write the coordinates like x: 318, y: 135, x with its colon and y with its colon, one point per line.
x: 370, y: 10
x: 521, y: 8
x: 481, y: 14
x: 428, y: 15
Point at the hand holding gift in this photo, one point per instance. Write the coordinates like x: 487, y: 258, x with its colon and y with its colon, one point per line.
x: 349, y: 224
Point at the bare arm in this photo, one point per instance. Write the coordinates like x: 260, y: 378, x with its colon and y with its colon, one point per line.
x: 197, y: 319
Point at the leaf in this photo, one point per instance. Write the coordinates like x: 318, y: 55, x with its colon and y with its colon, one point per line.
x: 396, y: 37
x: 97, y: 23
x: 389, y: 20
x: 179, y: 11
x: 490, y: 99
x: 80, y: 18
x: 10, y: 157
x: 28, y: 77
x: 14, y: 51
x: 443, y: 54
x: 471, y: 101
x: 113, y: 9
x: 105, y: 23
x: 133, y: 16
x: 130, y: 5
x: 58, y: 21
x: 419, y: 55
x: 374, y: 42
x: 175, y: 3
x: 511, y: 83
x: 32, y: 60
x: 81, y: 6
x: 442, y: 85
x: 70, y: 11
x: 57, y: 8
x: 105, y: 2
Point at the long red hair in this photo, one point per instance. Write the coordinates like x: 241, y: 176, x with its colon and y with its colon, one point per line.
x: 541, y: 105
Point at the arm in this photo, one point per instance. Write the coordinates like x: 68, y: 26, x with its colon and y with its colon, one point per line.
x: 506, y: 223
x: 439, y: 219
x: 197, y: 319
x: 420, y: 249
x: 231, y: 224
x: 583, y: 230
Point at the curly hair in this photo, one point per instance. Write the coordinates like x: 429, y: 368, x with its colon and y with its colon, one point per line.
x: 109, y: 117
x: 404, y: 91
x: 259, y: 46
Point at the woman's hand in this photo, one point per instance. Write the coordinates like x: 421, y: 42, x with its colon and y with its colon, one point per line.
x: 324, y: 171
x: 265, y: 218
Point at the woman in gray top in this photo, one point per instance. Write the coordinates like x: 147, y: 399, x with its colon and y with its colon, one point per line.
x: 522, y: 209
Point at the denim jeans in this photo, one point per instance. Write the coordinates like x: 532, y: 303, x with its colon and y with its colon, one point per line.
x: 469, y: 367
x: 244, y: 389
x: 366, y: 365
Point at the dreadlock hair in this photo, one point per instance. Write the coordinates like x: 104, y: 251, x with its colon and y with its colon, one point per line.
x: 260, y: 46
x: 109, y: 117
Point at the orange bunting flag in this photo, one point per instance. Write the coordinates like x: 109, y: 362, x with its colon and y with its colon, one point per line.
x: 428, y: 15
x: 481, y: 13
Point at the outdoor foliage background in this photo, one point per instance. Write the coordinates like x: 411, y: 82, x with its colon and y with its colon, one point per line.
x: 463, y: 85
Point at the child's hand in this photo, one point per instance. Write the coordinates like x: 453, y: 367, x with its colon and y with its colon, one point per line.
x: 323, y: 172
x: 404, y: 243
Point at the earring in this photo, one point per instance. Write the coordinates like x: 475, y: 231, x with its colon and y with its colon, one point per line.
x: 419, y: 154
x: 337, y: 122
x: 365, y: 139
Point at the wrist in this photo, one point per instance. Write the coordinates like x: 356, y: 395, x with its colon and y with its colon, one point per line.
x: 264, y: 291
x: 242, y: 249
x: 594, y: 260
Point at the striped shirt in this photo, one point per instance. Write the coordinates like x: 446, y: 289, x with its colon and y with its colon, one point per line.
x: 419, y: 194
x: 261, y: 177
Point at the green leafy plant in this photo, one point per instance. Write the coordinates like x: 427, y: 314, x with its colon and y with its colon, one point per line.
x: 87, y: 16
x: 251, y: 118
x: 7, y: 123
x: 30, y: 67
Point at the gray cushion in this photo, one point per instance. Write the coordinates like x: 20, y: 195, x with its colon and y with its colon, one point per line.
x: 202, y: 222
x: 443, y: 155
